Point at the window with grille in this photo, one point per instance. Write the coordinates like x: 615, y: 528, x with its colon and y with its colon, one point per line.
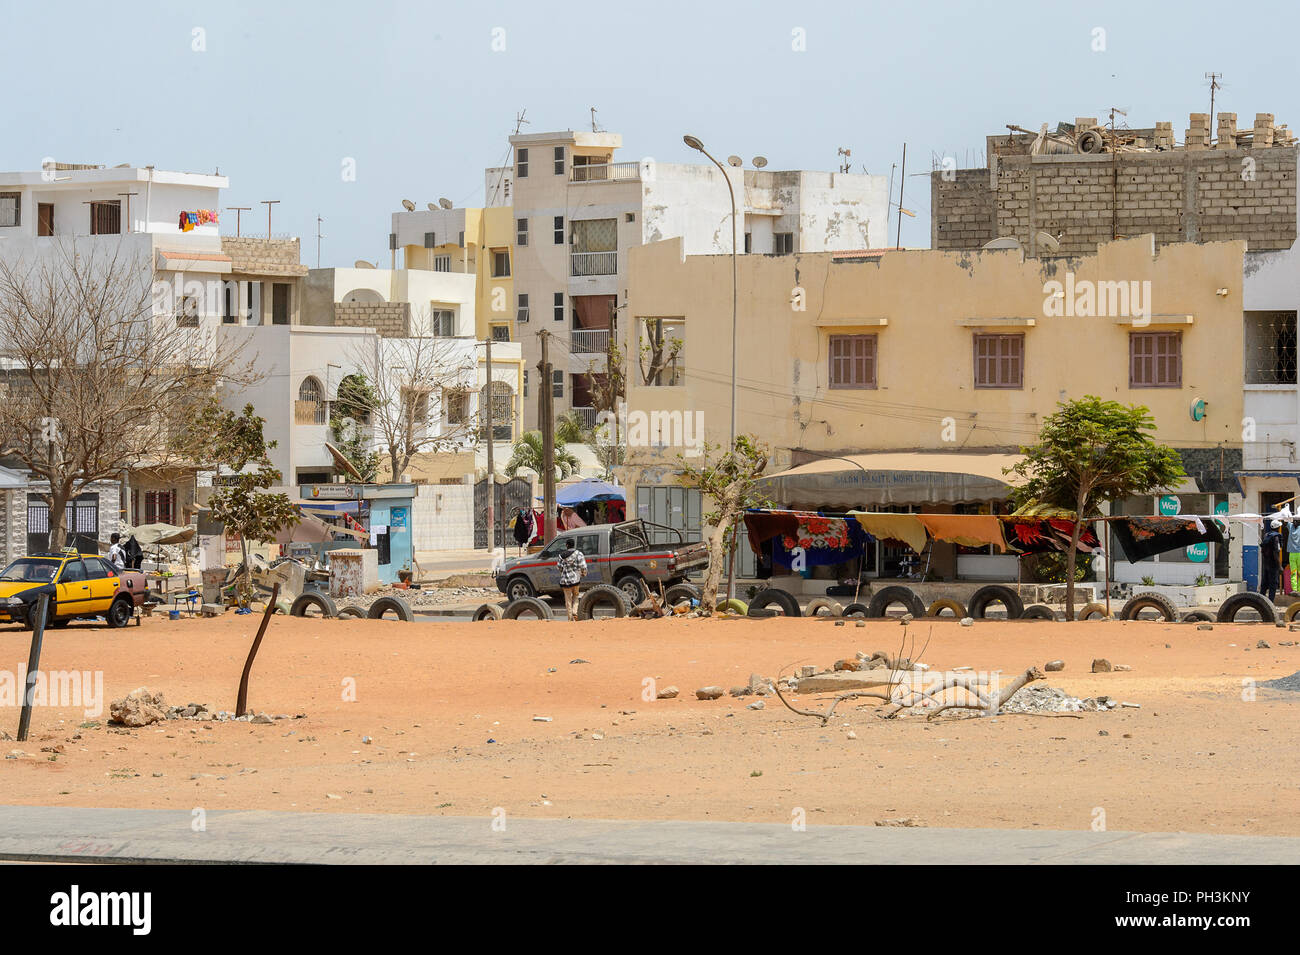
x: 188, y: 315
x: 442, y: 263
x: 521, y: 163
x: 558, y: 155
x: 557, y: 384
x: 521, y: 311
x: 500, y: 264
x: 1270, y: 348
x: 160, y: 507
x: 311, y: 403
x: 559, y: 230
x: 1155, y: 360
x: 999, y: 361
x: 594, y: 235
x: 442, y: 323
x: 783, y: 243
x: 498, y: 398
x: 525, y: 382
x: 10, y: 209
x: 853, y: 361
x: 457, y: 407
x: 106, y: 218
x: 558, y: 307
x: 501, y: 333
x: 521, y: 232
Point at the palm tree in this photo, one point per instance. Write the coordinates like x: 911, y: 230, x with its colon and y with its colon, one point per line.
x: 527, y: 455
x: 569, y: 429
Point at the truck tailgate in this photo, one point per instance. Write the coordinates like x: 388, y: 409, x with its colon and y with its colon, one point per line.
x: 692, y: 557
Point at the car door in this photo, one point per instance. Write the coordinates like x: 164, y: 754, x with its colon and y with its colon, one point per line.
x: 546, y: 573
x: 104, y: 582
x: 72, y: 590
x: 589, y: 544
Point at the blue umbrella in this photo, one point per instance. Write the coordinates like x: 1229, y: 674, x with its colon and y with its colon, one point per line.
x: 588, y: 489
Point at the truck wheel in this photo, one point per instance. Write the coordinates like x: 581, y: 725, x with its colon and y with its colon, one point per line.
x: 600, y: 598
x: 395, y: 604
x: 120, y: 612
x: 519, y: 586
x: 815, y: 607
x: 306, y: 603
x: 775, y: 596
x: 881, y: 602
x: 527, y: 606
x: 996, y: 593
x: 488, y: 612
x: 633, y: 585
x: 1148, y: 601
x: 937, y: 608
x: 1229, y: 609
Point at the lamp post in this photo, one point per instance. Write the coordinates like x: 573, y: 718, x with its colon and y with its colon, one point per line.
x: 696, y: 144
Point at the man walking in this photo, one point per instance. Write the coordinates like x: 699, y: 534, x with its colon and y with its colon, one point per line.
x: 573, y: 567
x: 1270, y: 554
x: 1293, y: 553
x: 116, y: 552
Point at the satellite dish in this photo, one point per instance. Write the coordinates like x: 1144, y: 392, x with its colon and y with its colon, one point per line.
x: 432, y: 207
x: 363, y: 264
x: 445, y: 203
x: 735, y: 161
x: 408, y: 205
x: 1045, y: 240
x: 1003, y: 242
x: 342, y: 463
x: 760, y: 162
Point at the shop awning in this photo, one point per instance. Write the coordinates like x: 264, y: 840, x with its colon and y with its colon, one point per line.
x: 870, y: 480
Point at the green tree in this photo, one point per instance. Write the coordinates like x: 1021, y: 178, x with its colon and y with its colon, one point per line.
x: 1091, y: 452
x: 526, y: 455
x: 729, y: 478
x: 236, y: 442
x: 349, y: 416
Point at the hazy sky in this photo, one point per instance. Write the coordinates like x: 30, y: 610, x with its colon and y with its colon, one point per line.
x: 281, y: 93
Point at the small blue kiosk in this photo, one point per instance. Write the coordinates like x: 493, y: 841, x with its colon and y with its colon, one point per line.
x: 382, y: 509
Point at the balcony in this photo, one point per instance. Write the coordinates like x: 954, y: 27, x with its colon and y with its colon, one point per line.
x: 587, y: 416
x: 606, y: 172
x: 589, y: 341
x: 593, y: 263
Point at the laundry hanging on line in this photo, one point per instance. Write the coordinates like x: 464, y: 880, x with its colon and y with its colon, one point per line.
x: 1143, y: 537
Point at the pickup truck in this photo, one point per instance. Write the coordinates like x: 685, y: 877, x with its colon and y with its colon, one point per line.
x: 618, y: 554
x: 78, y: 585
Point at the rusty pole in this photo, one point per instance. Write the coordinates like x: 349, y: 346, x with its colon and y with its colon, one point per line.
x: 252, y: 651
x: 33, y: 666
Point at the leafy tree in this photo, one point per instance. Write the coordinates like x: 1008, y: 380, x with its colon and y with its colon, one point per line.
x: 527, y: 455
x: 569, y: 429
x: 608, y: 389
x: 349, y: 414
x: 1090, y: 452
x: 236, y: 442
x: 729, y: 478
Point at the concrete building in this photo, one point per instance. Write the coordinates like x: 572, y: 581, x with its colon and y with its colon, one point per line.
x: 578, y: 210
x: 929, y: 369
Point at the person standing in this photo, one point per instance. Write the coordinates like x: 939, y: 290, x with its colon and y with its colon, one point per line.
x: 573, y: 567
x: 1293, y: 554
x: 116, y: 553
x: 1270, y: 560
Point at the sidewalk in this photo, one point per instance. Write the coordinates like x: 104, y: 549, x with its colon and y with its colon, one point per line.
x: 39, y: 833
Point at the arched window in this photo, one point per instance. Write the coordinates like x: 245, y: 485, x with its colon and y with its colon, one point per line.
x: 503, y: 411
x: 311, y: 403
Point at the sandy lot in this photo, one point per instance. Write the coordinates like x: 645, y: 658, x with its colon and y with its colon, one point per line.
x: 449, y: 709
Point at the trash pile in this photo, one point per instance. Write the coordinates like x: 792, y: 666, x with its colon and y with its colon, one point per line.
x: 142, y: 707
x: 1051, y: 699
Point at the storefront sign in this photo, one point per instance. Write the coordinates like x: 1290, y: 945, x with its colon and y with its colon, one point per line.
x: 1169, y: 505
x: 333, y: 492
x: 1198, y: 553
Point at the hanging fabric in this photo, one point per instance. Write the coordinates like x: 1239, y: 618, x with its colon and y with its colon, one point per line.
x: 1143, y: 537
x: 906, y: 528
x: 969, y: 530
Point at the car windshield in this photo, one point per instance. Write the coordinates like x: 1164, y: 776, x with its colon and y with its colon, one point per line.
x: 34, y: 569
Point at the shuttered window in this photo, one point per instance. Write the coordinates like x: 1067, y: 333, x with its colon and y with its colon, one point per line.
x: 999, y: 361
x: 1155, y: 360
x: 853, y: 361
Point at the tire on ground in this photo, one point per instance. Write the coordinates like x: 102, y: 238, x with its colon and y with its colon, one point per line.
x: 734, y: 605
x: 1291, y: 612
x: 679, y: 592
x: 603, y: 595
x: 818, y: 604
x: 1199, y: 616
x: 305, y: 601
x: 120, y: 612
x: 775, y: 596
x: 881, y: 601
x: 352, y: 610
x: 857, y: 610
x: 633, y: 586
x: 946, y: 603
x: 991, y: 593
x: 1038, y: 612
x: 1229, y: 609
x: 1148, y: 601
x: 539, y: 608
x: 1096, y: 608
x: 395, y: 604
x: 488, y: 612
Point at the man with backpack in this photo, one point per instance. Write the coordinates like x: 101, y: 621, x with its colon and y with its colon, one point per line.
x: 573, y: 567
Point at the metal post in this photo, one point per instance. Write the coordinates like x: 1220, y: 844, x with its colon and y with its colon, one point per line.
x: 491, y: 468
x: 902, y: 183
x: 252, y: 651
x: 547, y: 423
x: 33, y: 667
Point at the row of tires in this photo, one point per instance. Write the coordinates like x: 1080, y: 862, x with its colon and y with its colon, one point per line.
x: 316, y: 604
x: 602, y: 600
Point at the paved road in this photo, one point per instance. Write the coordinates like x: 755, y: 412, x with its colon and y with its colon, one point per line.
x: 29, y: 833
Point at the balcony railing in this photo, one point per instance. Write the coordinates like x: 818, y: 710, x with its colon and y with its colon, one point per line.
x: 593, y: 263
x: 587, y: 416
x: 605, y: 172
x: 589, y: 341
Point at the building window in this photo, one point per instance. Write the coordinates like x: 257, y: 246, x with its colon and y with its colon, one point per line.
x: 521, y: 312
x: 525, y: 382
x: 521, y: 163
x: 1270, y: 348
x: 521, y: 232
x: 10, y: 209
x: 497, y: 400
x: 45, y: 218
x: 279, y: 303
x: 500, y: 264
x: 559, y: 230
x: 430, y: 240
x: 662, y: 360
x: 501, y: 333
x: 311, y: 403
x: 593, y: 247
x: 1155, y: 360
x: 558, y: 155
x: 457, y: 407
x: 188, y: 314
x: 558, y: 307
x: 106, y: 218
x: 229, y: 303
x: 852, y: 361
x: 629, y: 217
x: 442, y: 263
x: 160, y: 507
x: 783, y: 243
x: 749, y: 242
x: 442, y: 323
x: 557, y: 384
x: 999, y: 361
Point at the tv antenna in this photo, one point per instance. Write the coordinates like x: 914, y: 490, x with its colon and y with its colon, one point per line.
x: 520, y: 121
x: 845, y: 165
x: 319, y: 236
x: 239, y: 212
x: 594, y: 127
x: 1214, y: 85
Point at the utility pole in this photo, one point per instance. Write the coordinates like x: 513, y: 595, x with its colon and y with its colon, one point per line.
x: 1214, y: 85
x: 546, y: 413
x: 491, y: 468
x: 319, y: 220
x: 239, y: 216
x: 268, y: 203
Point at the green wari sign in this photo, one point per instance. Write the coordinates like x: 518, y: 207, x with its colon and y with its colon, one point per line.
x: 1169, y: 505
x: 1198, y: 553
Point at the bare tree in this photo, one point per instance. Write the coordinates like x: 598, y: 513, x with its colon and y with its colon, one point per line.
x: 420, y: 390
x: 99, y: 371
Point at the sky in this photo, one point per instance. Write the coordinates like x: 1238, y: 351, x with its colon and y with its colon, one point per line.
x: 421, y: 97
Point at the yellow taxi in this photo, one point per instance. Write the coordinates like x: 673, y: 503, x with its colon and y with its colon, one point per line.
x: 79, y: 585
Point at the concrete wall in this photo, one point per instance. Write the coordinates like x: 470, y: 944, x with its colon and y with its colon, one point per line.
x: 443, y: 517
